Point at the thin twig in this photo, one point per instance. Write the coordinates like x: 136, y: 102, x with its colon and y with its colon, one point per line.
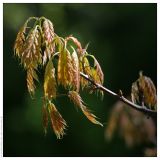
x: 143, y: 109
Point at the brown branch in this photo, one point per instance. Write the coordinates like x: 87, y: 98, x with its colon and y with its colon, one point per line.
x: 143, y: 109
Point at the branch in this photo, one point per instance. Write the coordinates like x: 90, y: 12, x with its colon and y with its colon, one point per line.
x: 143, y: 109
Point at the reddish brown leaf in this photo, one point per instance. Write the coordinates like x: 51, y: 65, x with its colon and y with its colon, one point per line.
x: 76, y: 42
x: 58, y: 123
x: 31, y: 75
x: 48, y: 36
x: 77, y: 100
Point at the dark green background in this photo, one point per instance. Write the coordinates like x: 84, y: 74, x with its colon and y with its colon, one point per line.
x: 123, y: 37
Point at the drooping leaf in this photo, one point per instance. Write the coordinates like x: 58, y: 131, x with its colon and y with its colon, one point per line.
x: 31, y: 76
x: 65, y: 69
x: 86, y: 66
x: 59, y: 42
x: 77, y: 100
x: 19, y: 43
x: 96, y: 78
x: 90, y: 116
x: 49, y: 81
x: 58, y: 123
x: 98, y: 71
x: 48, y: 36
x: 31, y: 55
x: 93, y: 72
x: 86, y: 69
x: 75, y: 72
x: 76, y: 42
x: 21, y: 37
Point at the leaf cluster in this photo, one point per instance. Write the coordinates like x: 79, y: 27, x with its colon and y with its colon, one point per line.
x: 39, y: 45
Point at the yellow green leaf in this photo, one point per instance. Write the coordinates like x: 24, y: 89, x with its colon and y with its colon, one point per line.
x: 49, y: 81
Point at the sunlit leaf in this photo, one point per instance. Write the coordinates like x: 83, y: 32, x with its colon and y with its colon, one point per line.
x: 49, y: 81
x: 65, y: 69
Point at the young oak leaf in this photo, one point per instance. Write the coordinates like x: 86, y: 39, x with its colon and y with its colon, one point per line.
x: 95, y: 73
x: 48, y: 37
x: 49, y: 81
x: 19, y: 42
x: 31, y: 55
x: 96, y: 79
x: 31, y: 75
x: 75, y: 71
x: 99, y: 71
x: 76, y: 42
x: 77, y: 100
x: 86, y: 69
x: 58, y: 123
x: 21, y: 37
x: 65, y: 69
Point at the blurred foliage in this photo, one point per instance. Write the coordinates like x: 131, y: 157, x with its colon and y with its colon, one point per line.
x: 144, y: 93
x: 133, y: 127
x: 123, y: 37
